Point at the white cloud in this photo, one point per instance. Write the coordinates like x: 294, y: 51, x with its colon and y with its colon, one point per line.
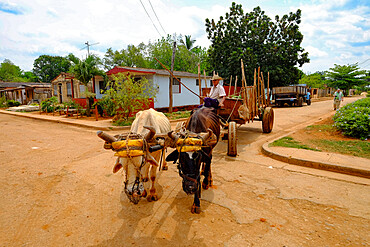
x: 62, y: 27
x: 315, y: 52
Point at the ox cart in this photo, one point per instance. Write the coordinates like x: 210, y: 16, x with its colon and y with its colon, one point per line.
x: 249, y: 104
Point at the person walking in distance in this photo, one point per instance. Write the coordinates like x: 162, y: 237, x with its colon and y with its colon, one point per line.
x: 338, y: 97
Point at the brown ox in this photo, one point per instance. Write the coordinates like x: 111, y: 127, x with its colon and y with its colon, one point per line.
x: 202, y: 120
x: 140, y: 162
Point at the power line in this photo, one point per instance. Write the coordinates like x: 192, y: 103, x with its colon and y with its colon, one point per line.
x: 364, y: 61
x: 157, y: 17
x: 150, y: 18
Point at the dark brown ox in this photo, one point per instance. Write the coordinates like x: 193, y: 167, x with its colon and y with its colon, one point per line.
x: 202, y: 120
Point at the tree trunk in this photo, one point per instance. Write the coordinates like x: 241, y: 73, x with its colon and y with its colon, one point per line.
x: 88, y: 106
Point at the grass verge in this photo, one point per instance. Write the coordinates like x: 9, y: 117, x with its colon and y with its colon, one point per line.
x: 177, y: 115
x: 289, y: 142
x: 355, y: 148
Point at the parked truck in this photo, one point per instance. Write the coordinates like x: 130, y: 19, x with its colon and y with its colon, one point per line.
x: 291, y: 95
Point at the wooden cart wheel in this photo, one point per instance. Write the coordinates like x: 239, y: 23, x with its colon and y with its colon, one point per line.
x: 231, y: 144
x: 268, y: 120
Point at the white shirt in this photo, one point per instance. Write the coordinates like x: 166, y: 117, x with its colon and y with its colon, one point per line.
x: 217, y: 92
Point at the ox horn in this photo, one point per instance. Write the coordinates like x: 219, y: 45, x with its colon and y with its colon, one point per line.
x: 151, y: 133
x: 173, y: 135
x: 207, y: 135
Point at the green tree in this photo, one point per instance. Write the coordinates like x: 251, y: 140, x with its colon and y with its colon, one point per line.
x: 346, y: 76
x: 315, y: 80
x: 29, y: 76
x: 9, y: 71
x: 185, y: 60
x: 188, y: 42
x: 46, y: 67
x: 130, y: 95
x: 143, y: 56
x: 275, y: 46
x: 133, y: 56
x: 84, y: 71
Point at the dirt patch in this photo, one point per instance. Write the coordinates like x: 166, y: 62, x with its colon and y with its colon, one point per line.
x: 321, y: 130
x: 323, y: 136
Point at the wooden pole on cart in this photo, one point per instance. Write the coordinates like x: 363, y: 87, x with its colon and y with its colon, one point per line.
x: 259, y: 86
x: 205, y: 78
x: 243, y: 85
x: 200, y: 85
x: 263, y: 90
x: 231, y: 80
x: 236, y: 80
x: 254, y: 94
x: 268, y: 88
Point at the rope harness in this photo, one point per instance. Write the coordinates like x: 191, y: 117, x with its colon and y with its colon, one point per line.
x: 190, y: 142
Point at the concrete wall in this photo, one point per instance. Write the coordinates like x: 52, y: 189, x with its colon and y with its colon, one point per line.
x: 179, y: 99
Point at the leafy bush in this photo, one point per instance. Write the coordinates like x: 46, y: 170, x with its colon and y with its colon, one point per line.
x: 72, y: 105
x: 11, y: 103
x: 48, y: 105
x: 106, y: 106
x: 130, y: 95
x: 2, y: 102
x: 354, y: 119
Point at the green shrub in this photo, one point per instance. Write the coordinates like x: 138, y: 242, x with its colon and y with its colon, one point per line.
x: 120, y: 121
x: 2, y: 102
x: 106, y: 106
x: 354, y: 119
x: 11, y: 103
x: 48, y: 105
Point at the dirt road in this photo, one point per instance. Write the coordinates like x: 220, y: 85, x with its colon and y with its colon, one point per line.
x: 57, y: 189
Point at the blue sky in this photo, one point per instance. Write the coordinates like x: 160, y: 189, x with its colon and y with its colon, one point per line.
x: 335, y: 32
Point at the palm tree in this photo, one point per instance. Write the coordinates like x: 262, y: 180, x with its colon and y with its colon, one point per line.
x: 84, y: 71
x: 188, y: 42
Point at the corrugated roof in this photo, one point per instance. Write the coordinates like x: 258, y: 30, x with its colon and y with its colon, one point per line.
x: 119, y: 69
x: 18, y: 84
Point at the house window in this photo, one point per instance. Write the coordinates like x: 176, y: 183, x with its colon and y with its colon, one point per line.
x: 102, y: 87
x: 69, y: 89
x: 176, y: 87
x: 55, y: 90
x: 82, y: 91
x: 197, y: 82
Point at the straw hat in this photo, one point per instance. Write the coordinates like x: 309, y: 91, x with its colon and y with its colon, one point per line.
x: 216, y: 77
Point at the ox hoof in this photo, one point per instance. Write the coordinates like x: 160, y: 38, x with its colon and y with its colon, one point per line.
x: 151, y: 198
x: 205, y: 186
x: 195, y: 210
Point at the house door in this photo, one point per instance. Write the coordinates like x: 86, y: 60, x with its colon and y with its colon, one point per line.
x: 60, y: 93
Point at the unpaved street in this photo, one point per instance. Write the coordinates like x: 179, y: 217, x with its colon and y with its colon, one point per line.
x: 57, y: 189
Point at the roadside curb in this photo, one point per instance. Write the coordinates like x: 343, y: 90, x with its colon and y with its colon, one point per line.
x: 65, y: 121
x: 74, y: 122
x: 313, y: 164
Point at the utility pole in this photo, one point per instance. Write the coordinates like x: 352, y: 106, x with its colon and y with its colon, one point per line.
x: 171, y: 77
x: 88, y: 47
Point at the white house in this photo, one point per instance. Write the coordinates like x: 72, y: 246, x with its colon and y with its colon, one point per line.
x: 161, y: 78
